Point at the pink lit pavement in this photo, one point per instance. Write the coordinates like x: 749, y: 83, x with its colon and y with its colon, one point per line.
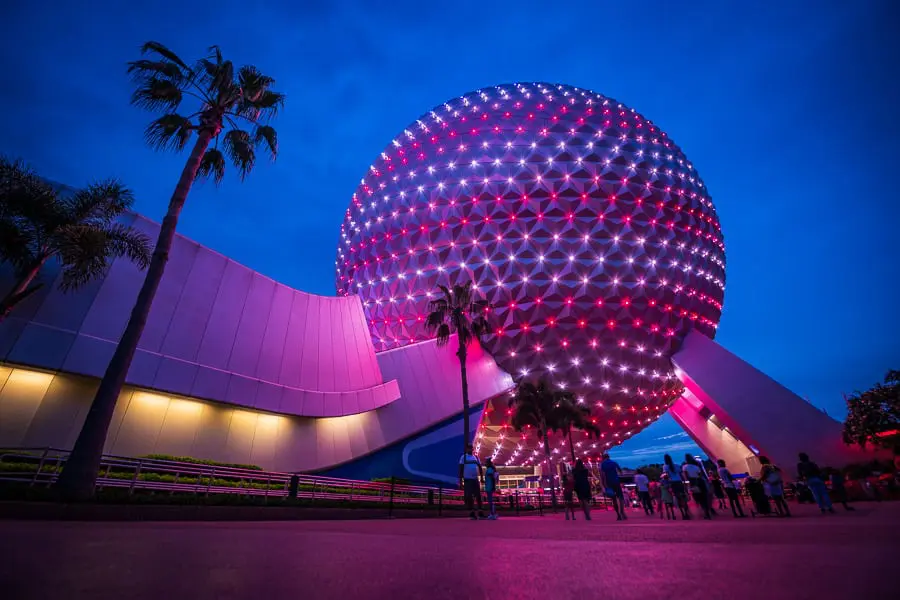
x: 847, y: 555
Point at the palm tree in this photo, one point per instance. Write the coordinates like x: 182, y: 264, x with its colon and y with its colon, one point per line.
x: 574, y: 416
x: 547, y: 409
x: 79, y: 230
x: 458, y: 311
x: 224, y: 98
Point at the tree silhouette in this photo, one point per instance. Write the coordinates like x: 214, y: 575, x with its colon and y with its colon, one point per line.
x: 38, y: 223
x: 458, y: 311
x: 536, y: 404
x: 225, y: 99
x: 874, y: 413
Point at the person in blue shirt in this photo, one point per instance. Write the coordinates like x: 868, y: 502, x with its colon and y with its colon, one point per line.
x: 612, y: 487
x: 470, y: 472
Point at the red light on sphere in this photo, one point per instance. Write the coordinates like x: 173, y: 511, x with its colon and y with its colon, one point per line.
x: 452, y: 202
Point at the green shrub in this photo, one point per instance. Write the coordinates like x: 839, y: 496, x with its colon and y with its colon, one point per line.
x: 201, y: 461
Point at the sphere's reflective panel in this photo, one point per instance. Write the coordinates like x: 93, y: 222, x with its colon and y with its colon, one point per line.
x: 582, y: 223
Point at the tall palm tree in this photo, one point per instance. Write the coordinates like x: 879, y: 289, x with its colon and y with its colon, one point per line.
x: 458, y: 311
x: 225, y: 100
x: 538, y: 405
x: 38, y: 223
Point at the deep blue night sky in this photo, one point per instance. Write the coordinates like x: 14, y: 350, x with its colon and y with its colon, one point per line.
x: 788, y: 112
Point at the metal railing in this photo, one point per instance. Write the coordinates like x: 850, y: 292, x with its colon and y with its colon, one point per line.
x: 40, y: 467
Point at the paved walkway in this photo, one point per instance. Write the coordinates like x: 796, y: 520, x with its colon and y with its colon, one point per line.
x: 848, y: 555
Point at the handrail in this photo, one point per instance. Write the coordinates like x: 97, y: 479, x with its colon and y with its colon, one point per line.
x: 173, y: 476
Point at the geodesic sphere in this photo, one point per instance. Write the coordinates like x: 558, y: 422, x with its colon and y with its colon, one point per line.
x: 582, y: 223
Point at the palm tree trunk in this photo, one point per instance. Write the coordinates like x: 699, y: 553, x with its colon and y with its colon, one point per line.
x: 21, y: 291
x: 571, y: 447
x: 462, y: 354
x: 550, y: 469
x: 76, y: 482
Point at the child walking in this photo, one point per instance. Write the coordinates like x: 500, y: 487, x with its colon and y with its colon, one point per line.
x: 667, y: 500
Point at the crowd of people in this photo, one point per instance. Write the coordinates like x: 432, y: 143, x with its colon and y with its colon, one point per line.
x: 670, y: 496
x: 717, y: 489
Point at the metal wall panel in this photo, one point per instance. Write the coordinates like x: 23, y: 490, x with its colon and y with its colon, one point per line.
x: 252, y: 328
x: 184, y: 335
x: 171, y: 288
x: 272, y: 351
x: 222, y: 324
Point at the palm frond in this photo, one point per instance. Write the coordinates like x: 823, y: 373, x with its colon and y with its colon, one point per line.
x: 253, y: 82
x: 157, y: 48
x: 212, y: 165
x: 456, y: 310
x: 86, y: 251
x: 266, y: 107
x: 266, y: 134
x: 435, y: 319
x: 256, y: 98
x: 239, y: 148
x: 157, y: 94
x: 129, y: 242
x: 216, y: 76
x: 446, y: 294
x: 144, y: 70
x: 81, y: 251
x: 30, y: 211
x: 169, y: 132
x: 16, y: 243
x: 222, y: 82
x: 462, y: 294
x: 216, y: 53
x: 99, y: 202
x: 443, y: 334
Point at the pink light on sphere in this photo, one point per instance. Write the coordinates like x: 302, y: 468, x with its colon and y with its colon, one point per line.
x: 582, y: 223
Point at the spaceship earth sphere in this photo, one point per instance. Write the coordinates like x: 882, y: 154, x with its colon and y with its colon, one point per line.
x: 580, y: 221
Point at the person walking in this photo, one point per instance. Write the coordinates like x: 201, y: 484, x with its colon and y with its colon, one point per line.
x: 491, y: 481
x: 730, y: 490
x: 771, y: 477
x: 568, y: 486
x: 809, y: 472
x: 666, y: 499
x: 470, y: 472
x: 839, y: 490
x: 676, y: 486
x: 642, y: 482
x: 656, y: 496
x: 718, y: 490
x: 694, y: 474
x: 581, y: 478
x: 612, y: 486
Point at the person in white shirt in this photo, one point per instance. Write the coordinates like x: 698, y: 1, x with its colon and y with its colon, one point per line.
x: 470, y: 474
x: 643, y: 489
x: 697, y: 479
x: 730, y: 490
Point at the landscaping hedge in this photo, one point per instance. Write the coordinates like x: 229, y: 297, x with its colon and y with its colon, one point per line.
x: 201, y: 461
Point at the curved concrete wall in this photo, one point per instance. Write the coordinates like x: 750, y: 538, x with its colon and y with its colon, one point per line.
x: 41, y: 409
x: 217, y: 330
x: 232, y: 367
